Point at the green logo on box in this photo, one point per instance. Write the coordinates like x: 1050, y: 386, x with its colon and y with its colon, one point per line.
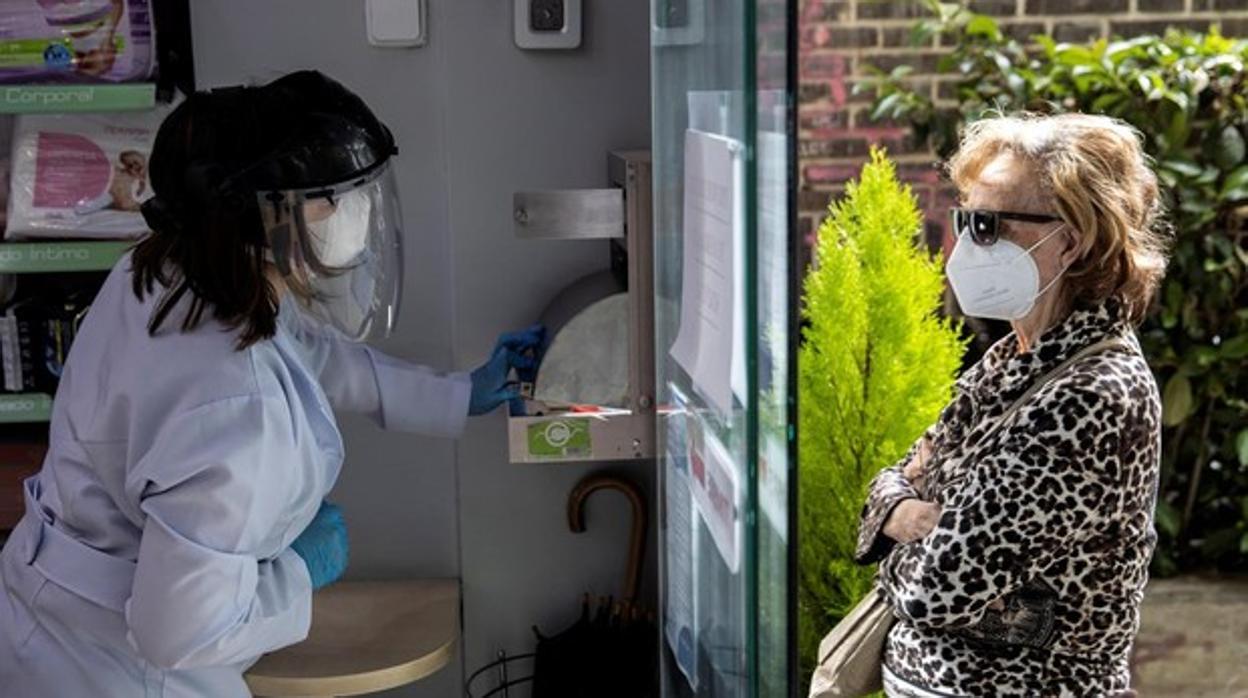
x: 560, y: 437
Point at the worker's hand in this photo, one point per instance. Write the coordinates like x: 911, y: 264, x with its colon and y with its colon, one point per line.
x: 323, y: 545
x: 911, y: 520
x: 491, y: 383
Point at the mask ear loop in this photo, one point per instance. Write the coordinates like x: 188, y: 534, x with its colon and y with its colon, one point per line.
x: 1059, y: 274
x: 1044, y: 239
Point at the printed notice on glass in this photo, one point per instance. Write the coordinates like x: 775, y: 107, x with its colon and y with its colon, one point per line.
x: 680, y: 544
x: 706, y: 344
x: 713, y: 481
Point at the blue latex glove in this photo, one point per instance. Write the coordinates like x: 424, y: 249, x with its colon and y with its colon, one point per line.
x: 491, y: 383
x: 323, y: 545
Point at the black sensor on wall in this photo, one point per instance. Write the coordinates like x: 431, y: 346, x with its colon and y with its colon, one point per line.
x: 546, y: 15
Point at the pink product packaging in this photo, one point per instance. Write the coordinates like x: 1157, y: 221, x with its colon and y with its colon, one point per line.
x: 80, y: 176
x: 76, y: 41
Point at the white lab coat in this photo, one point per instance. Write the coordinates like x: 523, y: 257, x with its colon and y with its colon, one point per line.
x: 154, y: 558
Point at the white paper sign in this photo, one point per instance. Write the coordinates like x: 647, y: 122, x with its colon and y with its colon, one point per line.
x: 707, y: 345
x: 680, y: 543
x: 713, y: 481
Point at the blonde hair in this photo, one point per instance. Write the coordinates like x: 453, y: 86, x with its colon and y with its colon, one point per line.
x: 1095, y: 175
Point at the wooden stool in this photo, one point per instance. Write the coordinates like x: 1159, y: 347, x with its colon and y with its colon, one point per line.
x: 365, y: 637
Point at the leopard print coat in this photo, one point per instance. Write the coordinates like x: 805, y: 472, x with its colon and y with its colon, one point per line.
x: 1031, y: 582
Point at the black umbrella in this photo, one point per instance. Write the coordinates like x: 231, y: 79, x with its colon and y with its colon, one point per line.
x: 615, y: 653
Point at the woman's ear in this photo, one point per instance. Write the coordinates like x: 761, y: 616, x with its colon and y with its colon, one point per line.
x: 1071, y: 247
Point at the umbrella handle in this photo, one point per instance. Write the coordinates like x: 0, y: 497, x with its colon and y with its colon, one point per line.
x: 637, y: 536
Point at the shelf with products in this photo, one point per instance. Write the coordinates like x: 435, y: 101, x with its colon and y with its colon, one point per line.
x: 38, y: 324
x: 127, y: 61
x: 47, y: 285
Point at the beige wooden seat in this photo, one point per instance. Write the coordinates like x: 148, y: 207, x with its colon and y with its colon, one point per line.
x: 365, y: 637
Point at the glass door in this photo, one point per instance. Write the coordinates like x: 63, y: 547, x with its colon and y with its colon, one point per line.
x: 722, y: 83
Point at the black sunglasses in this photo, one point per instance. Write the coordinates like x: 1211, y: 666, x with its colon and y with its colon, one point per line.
x: 985, y: 226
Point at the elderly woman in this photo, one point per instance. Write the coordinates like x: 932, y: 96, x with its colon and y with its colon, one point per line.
x: 1014, y: 544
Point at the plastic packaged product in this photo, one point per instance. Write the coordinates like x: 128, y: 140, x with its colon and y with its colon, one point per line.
x: 19, y: 348
x: 80, y: 176
x: 76, y: 41
x: 35, y: 339
x: 58, y: 330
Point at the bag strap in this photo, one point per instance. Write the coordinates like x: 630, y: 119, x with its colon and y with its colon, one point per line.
x: 1111, y: 343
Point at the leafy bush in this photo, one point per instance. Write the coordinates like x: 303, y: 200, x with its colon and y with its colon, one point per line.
x: 877, y: 365
x: 1188, y: 95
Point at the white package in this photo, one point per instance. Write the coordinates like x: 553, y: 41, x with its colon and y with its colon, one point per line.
x: 80, y: 175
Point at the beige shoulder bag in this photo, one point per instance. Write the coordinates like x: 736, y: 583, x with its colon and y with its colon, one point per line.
x: 850, y: 656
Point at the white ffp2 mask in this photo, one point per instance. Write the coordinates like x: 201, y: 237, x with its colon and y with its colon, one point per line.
x: 341, y: 238
x: 998, y: 281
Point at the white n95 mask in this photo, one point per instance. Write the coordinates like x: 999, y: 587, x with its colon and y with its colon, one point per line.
x: 998, y: 281
x: 340, y: 238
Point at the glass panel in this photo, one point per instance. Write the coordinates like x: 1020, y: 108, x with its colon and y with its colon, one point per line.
x: 722, y: 170
x: 775, y: 334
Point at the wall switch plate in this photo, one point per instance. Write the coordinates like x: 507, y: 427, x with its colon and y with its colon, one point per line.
x: 396, y: 23
x: 547, y: 24
x: 677, y: 22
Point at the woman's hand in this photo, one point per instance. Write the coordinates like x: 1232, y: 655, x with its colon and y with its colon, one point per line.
x: 916, y: 469
x: 911, y: 520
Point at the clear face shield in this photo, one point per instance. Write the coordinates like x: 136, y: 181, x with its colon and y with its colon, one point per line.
x: 339, y: 251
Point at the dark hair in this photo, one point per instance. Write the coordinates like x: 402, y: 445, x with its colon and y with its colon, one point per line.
x: 206, y: 240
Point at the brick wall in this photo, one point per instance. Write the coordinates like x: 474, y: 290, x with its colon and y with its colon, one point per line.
x: 837, y: 37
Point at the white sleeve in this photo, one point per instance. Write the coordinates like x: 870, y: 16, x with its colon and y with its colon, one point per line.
x: 215, y: 582
x: 396, y: 394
